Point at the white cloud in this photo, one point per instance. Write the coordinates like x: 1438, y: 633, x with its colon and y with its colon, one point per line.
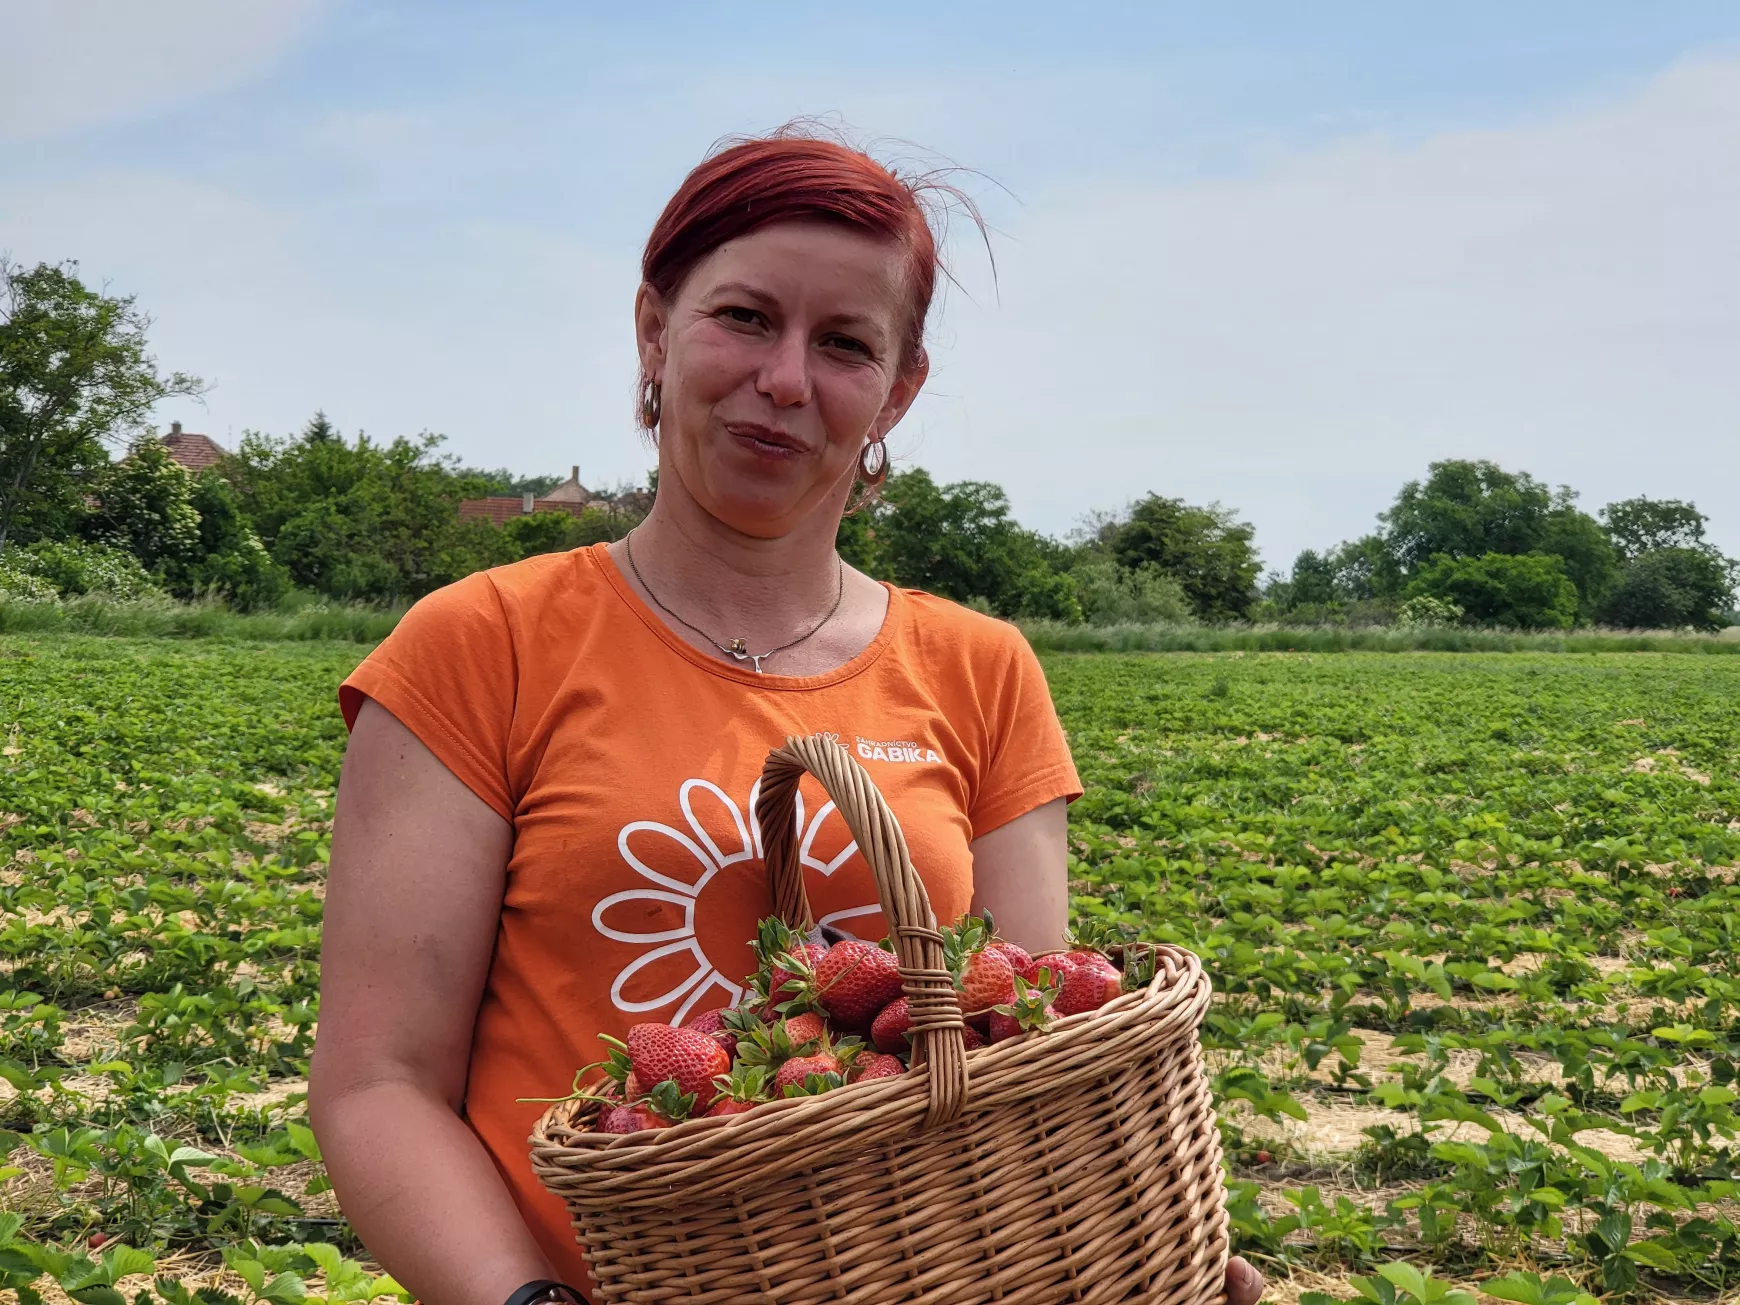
x: 1562, y: 296
x: 73, y: 64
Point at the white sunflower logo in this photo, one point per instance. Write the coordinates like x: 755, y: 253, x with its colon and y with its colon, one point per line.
x: 690, y: 914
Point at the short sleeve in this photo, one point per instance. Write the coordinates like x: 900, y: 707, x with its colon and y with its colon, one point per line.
x: 1030, y: 762
x: 449, y: 673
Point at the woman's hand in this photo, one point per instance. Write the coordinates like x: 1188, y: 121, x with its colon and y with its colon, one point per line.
x: 1244, y: 1285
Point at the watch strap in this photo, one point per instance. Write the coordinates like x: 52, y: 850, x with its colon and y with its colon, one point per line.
x: 542, y: 1287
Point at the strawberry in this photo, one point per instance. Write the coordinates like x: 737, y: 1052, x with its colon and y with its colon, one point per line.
x: 891, y: 1034
x: 786, y: 961
x: 1088, y: 987
x: 770, y: 1045
x: 888, y: 1030
x: 986, y: 980
x: 629, y: 1119
x: 797, y: 1070
x: 805, y: 1028
x: 853, y: 981
x: 663, y: 1106
x: 1058, y: 963
x: 744, y: 1088
x: 1025, y: 966
x: 689, y: 1059
x: 724, y: 1025
x: 876, y: 1064
x: 984, y: 977
x: 1030, y: 1010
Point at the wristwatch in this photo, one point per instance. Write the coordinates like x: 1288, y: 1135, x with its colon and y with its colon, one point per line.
x: 544, y: 1291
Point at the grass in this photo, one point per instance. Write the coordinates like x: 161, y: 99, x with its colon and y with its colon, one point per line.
x: 1054, y: 636
x: 163, y: 618
x: 363, y: 624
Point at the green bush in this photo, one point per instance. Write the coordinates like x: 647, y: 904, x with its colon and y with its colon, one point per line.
x: 1113, y: 595
x: 1670, y: 588
x: 76, y: 568
x: 1528, y: 591
x: 21, y: 586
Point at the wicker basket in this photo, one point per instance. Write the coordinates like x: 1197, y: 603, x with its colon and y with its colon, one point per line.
x: 1079, y: 1164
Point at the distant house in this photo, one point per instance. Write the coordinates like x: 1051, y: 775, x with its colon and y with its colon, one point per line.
x: 498, y: 509
x: 194, y: 451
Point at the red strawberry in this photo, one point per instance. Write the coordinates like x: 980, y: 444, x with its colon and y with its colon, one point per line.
x: 1030, y: 1010
x: 853, y: 981
x: 987, y: 980
x: 632, y: 1090
x: 888, y: 1031
x: 1088, y: 987
x: 689, y: 1059
x: 1025, y: 966
x: 721, y: 1025
x: 983, y: 976
x: 796, y: 1070
x: 744, y: 1088
x: 1059, y: 963
x: 787, y: 982
x: 805, y: 1028
x: 875, y: 1064
x: 630, y: 1119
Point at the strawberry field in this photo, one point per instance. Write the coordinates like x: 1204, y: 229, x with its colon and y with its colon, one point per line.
x: 1471, y: 918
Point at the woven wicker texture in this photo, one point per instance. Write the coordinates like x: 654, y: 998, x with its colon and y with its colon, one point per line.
x: 1078, y: 1164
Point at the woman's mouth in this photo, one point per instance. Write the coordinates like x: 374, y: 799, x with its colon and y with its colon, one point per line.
x: 765, y: 441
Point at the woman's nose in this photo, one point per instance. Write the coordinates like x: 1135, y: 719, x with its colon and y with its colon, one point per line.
x: 785, y: 372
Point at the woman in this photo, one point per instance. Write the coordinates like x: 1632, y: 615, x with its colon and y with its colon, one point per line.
x: 545, y: 826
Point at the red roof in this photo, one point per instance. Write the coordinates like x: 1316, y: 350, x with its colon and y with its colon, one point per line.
x: 193, y: 451
x: 499, y: 509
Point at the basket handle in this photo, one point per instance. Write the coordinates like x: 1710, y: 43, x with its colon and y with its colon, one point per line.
x: 930, y: 989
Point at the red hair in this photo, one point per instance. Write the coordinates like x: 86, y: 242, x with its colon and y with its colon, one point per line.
x: 792, y: 176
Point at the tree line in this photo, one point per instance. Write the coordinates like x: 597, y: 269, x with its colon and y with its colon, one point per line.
x: 284, y: 519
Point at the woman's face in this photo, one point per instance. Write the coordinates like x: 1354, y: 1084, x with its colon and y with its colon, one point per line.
x: 776, y: 359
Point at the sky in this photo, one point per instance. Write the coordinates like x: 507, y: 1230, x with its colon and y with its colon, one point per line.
x: 1273, y: 255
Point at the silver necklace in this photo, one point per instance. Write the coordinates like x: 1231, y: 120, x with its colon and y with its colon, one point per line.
x: 737, y: 648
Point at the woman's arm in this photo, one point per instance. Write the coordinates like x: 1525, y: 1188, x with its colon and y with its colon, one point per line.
x: 412, y: 905
x: 1021, y: 875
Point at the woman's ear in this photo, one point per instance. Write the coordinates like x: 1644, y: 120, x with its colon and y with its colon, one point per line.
x: 900, y: 397
x: 650, y: 322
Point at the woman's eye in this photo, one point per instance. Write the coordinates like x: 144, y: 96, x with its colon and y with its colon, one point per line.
x: 848, y: 344
x: 742, y: 316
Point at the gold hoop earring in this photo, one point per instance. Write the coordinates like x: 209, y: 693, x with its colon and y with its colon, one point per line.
x: 651, y: 405
x: 873, y: 462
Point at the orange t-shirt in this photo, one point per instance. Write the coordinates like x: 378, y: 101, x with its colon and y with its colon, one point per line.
x: 627, y: 762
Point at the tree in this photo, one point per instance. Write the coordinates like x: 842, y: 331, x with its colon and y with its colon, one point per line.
x: 1312, y: 580
x: 1466, y: 509
x: 145, y: 506
x: 1527, y: 590
x: 1643, y: 525
x: 230, y: 561
x: 1669, y: 588
x: 959, y: 541
x: 361, y: 520
x: 1580, y: 541
x: 1207, y: 549
x: 74, y: 374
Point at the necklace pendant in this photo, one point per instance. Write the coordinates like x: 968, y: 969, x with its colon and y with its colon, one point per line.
x: 756, y: 659
x: 740, y: 649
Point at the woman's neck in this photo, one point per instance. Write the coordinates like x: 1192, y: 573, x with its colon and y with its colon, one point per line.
x: 732, y: 585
